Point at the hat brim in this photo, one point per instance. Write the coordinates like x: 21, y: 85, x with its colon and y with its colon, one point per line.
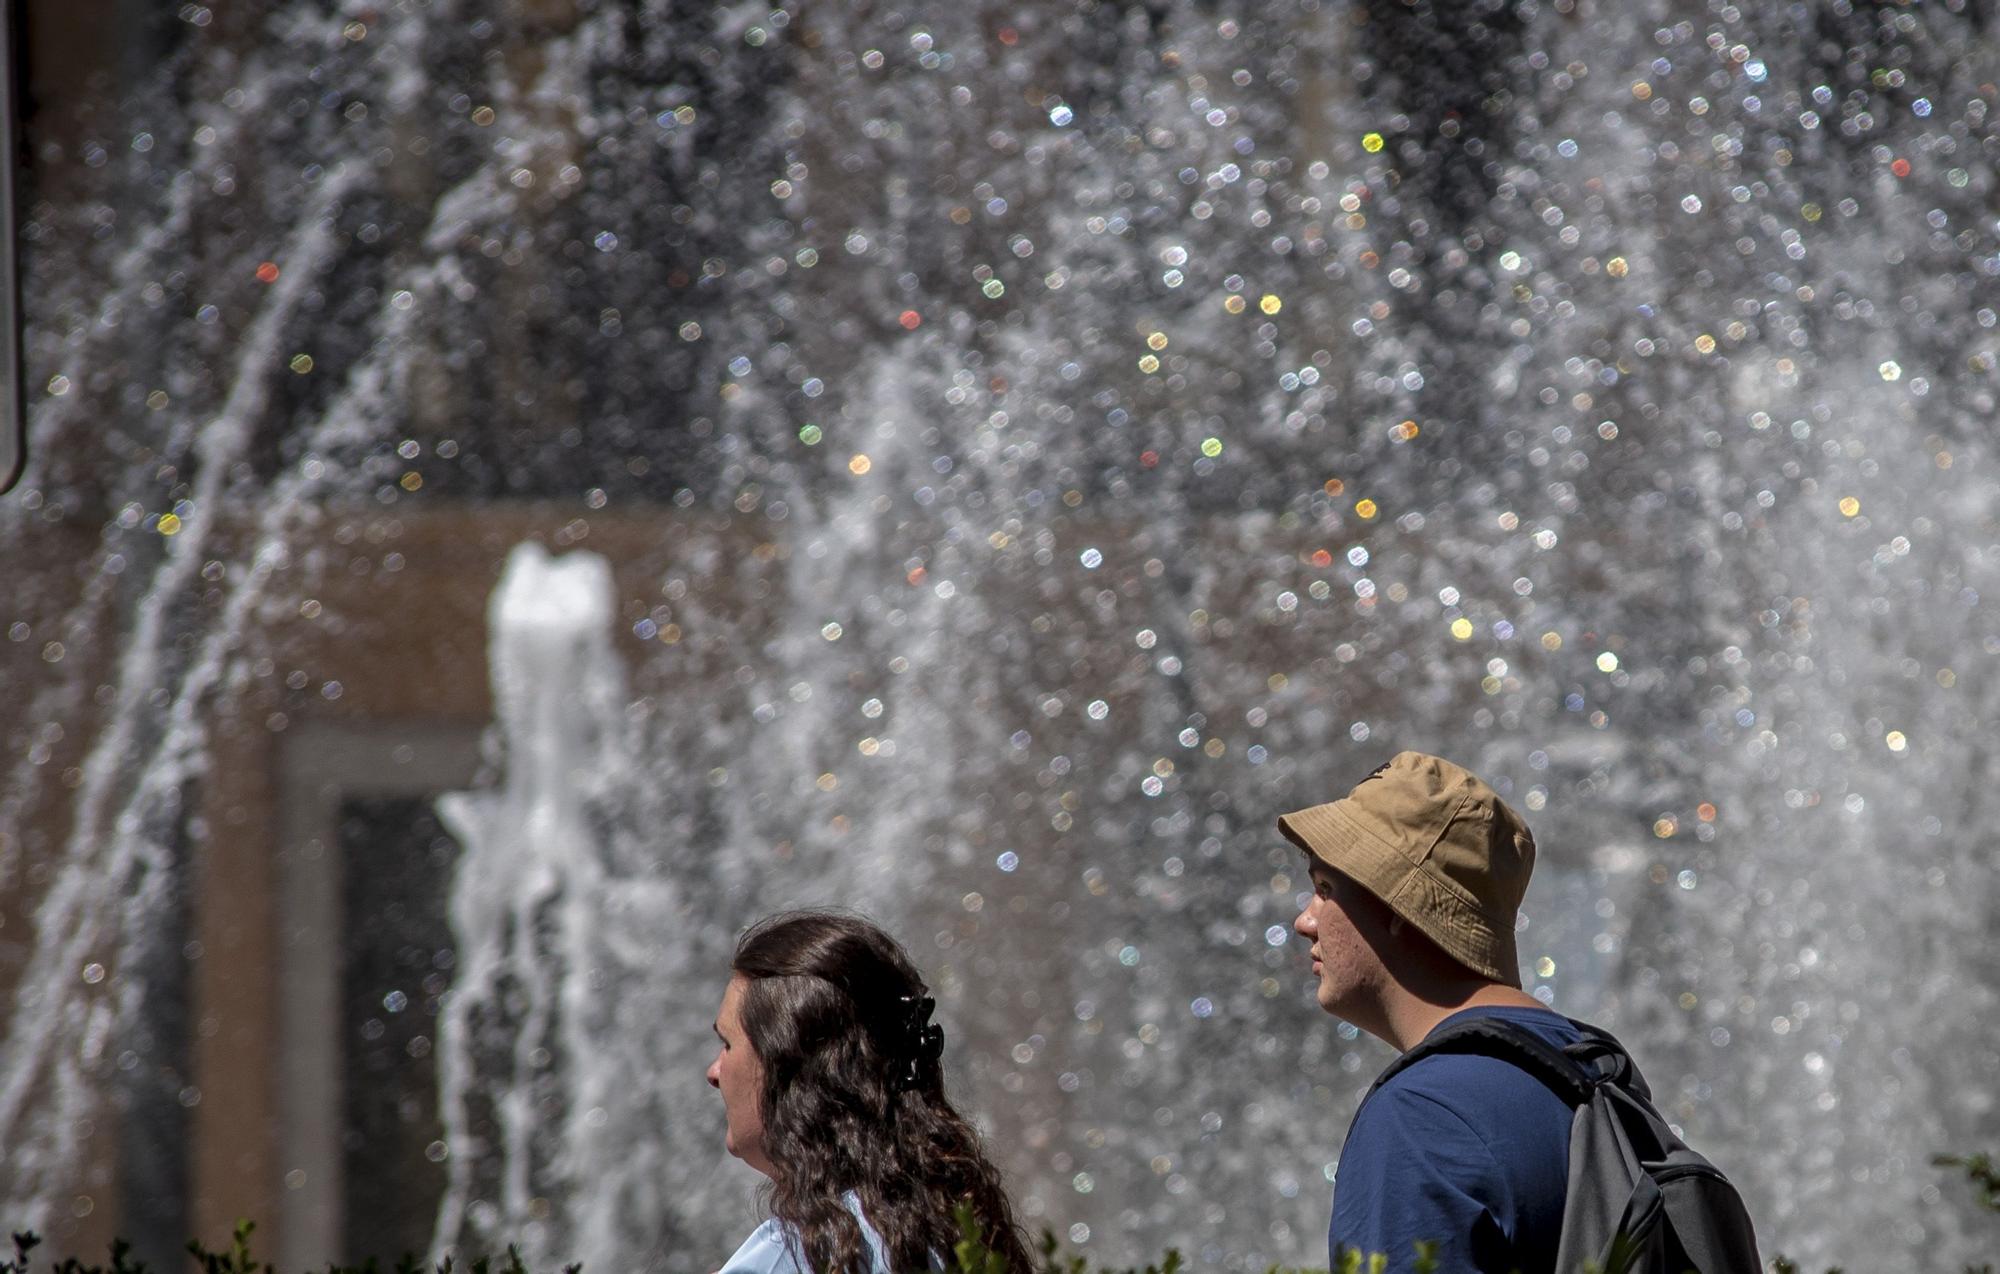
x: 1335, y: 837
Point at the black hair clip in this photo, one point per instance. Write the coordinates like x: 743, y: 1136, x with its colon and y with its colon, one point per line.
x: 923, y: 1039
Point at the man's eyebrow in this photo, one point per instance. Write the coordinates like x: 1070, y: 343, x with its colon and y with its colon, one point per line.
x: 717, y: 1028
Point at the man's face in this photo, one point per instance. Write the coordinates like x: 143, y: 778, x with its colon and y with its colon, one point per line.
x: 1339, y: 920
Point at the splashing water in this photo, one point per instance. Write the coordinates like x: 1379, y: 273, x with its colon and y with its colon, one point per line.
x: 529, y: 907
x: 1025, y: 450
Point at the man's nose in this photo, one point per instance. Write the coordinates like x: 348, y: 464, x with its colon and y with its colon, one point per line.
x: 715, y: 1073
x: 1305, y: 926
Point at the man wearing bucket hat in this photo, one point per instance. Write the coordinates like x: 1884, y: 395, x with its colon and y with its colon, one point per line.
x: 1417, y: 877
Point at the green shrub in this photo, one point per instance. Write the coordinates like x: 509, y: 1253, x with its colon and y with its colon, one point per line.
x: 970, y: 1253
x: 238, y: 1259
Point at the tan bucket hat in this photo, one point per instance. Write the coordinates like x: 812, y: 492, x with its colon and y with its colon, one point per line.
x: 1436, y: 844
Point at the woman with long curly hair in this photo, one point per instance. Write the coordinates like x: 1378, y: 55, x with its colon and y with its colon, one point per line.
x: 831, y: 1087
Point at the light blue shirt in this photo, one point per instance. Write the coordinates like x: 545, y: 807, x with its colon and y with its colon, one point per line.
x: 773, y: 1248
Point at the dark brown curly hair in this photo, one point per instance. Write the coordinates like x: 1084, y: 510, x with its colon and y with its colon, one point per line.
x: 853, y: 1098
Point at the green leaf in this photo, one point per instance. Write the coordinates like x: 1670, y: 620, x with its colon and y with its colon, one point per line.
x: 1981, y: 1170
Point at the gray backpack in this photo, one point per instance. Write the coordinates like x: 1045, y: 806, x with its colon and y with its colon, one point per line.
x: 1640, y: 1201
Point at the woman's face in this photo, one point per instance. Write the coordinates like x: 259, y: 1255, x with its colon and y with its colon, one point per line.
x: 739, y: 1075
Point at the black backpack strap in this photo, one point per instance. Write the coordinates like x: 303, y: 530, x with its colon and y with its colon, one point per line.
x: 1601, y: 1052
x: 1571, y: 1073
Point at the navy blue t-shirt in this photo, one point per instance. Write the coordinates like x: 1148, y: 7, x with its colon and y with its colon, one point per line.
x: 1469, y: 1152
